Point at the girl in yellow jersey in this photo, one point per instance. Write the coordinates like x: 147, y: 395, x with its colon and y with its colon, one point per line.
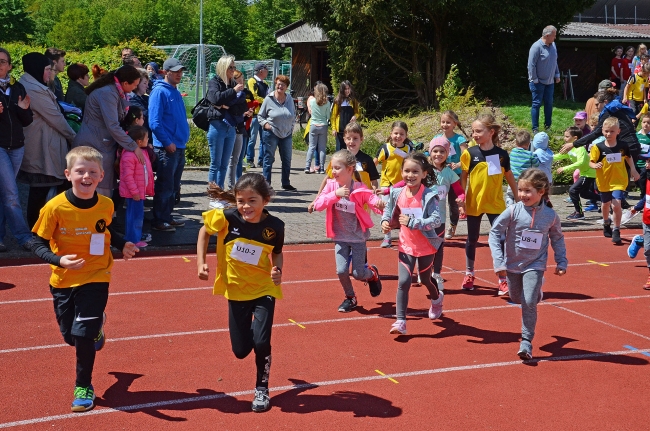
x: 249, y: 270
x: 483, y: 168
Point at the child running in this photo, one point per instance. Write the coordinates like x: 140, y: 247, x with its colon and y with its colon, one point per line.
x: 348, y: 225
x: 484, y: 168
x: 249, y: 270
x: 81, y: 263
x: 448, y: 123
x: 136, y: 182
x: 608, y: 158
x: 413, y: 209
x: 528, y: 226
x: 391, y: 155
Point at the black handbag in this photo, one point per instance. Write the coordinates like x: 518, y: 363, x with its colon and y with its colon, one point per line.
x: 200, y: 114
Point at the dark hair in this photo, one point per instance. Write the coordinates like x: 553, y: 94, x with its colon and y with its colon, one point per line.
x: 54, y: 53
x: 137, y: 133
x: 574, y: 131
x: 354, y: 127
x: 617, y: 47
x: 132, y: 114
x: 401, y: 125
x: 426, y: 166
x: 7, y: 54
x: 124, y: 74
x: 98, y: 71
x: 341, y: 96
x: 630, y: 48
x: 606, y: 96
x: 77, y: 71
x: 538, y: 179
x: 253, y: 181
x: 522, y: 137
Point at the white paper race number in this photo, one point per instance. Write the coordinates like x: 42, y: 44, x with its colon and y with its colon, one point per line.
x: 247, y: 253
x: 442, y: 192
x: 532, y: 240
x: 399, y: 152
x: 97, y: 244
x: 613, y: 158
x: 412, y: 212
x: 647, y: 201
x: 345, y: 205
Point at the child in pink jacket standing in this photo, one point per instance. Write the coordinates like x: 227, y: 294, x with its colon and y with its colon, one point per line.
x: 136, y: 182
x: 348, y: 224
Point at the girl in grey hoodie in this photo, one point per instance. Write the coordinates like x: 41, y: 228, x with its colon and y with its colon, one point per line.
x: 528, y: 226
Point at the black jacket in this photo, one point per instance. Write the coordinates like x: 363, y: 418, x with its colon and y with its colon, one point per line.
x: 627, y: 135
x: 219, y: 94
x: 13, y: 118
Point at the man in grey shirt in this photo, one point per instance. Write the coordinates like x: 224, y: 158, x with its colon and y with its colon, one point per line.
x: 543, y: 73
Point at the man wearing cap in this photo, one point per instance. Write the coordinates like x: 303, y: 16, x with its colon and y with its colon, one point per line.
x: 168, y: 123
x: 259, y: 88
x: 590, y: 107
x: 543, y: 73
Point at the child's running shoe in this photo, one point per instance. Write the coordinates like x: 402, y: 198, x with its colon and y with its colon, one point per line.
x: 616, y: 236
x: 525, y: 350
x: 399, y: 327
x: 607, y: 230
x: 141, y: 244
x: 568, y: 200
x: 437, y: 279
x: 462, y: 217
x: 646, y: 286
x: 635, y: 246
x: 451, y: 231
x: 503, y: 286
x: 386, y: 242
x: 591, y: 208
x: 146, y: 237
x: 84, y: 399
x: 435, y: 311
x: 374, y: 283
x: 349, y: 304
x: 262, y: 401
x: 468, y: 282
x: 575, y: 216
x: 100, y: 340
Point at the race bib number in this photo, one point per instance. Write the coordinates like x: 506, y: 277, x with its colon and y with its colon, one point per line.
x: 442, y: 192
x: 613, y: 158
x: 345, y: 205
x: 647, y: 201
x: 412, y: 212
x: 359, y: 167
x: 247, y: 253
x: 399, y: 152
x: 452, y: 151
x: 531, y: 240
x: 494, y: 165
x: 97, y: 244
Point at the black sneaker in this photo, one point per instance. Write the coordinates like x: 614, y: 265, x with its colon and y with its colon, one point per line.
x: 262, y: 401
x: 289, y: 188
x: 177, y: 223
x: 576, y: 216
x: 607, y: 230
x: 348, y: 305
x: 616, y: 236
x: 374, y: 283
x: 164, y: 227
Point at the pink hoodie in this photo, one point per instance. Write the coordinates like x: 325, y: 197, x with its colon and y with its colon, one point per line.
x: 132, y: 176
x: 361, y: 195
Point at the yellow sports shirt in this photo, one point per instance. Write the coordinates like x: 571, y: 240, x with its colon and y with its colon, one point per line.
x: 613, y: 175
x: 484, y: 190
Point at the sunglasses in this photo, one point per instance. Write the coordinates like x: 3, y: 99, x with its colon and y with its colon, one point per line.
x: 232, y: 68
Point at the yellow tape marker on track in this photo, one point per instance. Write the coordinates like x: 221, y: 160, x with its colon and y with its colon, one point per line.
x: 597, y: 263
x: 389, y: 378
x: 296, y: 323
x: 186, y: 259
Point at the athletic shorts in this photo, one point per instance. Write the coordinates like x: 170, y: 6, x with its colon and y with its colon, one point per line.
x: 614, y: 194
x: 79, y: 310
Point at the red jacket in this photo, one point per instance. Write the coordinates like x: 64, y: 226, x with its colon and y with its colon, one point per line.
x: 646, y: 206
x: 132, y: 176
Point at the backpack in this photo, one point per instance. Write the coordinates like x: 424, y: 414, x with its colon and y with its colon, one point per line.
x: 200, y: 114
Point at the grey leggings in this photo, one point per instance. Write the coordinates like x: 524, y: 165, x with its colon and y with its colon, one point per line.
x: 342, y: 252
x: 524, y: 289
x: 404, y: 273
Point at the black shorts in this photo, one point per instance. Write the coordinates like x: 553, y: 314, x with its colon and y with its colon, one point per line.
x: 79, y: 310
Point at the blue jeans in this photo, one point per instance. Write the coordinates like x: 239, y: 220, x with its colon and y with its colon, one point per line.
x: 284, y: 145
x: 168, y: 180
x: 250, y: 149
x: 317, y: 145
x: 10, y: 210
x: 134, y: 220
x: 541, y: 94
x: 221, y: 139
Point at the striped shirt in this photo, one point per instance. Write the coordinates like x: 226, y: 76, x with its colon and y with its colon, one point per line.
x: 520, y: 160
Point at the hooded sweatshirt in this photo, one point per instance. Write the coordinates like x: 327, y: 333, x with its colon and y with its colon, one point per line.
x: 543, y: 154
x: 532, y: 253
x: 167, y: 116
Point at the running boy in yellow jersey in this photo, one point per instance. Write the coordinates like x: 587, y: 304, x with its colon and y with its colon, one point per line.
x: 608, y: 158
x: 73, y: 236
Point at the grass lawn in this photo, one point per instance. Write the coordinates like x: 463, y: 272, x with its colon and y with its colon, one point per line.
x: 518, y: 113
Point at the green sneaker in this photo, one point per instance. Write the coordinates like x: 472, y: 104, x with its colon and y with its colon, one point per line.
x: 83, y: 399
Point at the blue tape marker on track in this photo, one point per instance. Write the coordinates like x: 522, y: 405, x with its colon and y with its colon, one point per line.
x: 634, y: 348
x: 513, y: 304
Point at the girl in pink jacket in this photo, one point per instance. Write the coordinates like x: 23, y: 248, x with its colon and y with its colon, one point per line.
x: 348, y: 225
x: 136, y: 182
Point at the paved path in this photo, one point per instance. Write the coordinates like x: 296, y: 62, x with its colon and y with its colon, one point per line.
x: 301, y: 227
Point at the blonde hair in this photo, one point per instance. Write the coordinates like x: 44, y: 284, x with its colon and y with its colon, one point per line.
x: 593, y: 120
x: 611, y: 122
x: 222, y: 67
x: 454, y: 117
x: 490, y: 122
x: 88, y: 154
x: 348, y: 160
x: 320, y: 94
x: 354, y: 128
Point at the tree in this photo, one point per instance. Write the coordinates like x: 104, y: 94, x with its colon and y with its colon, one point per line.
x: 15, y: 23
x: 224, y: 23
x: 74, y: 30
x: 118, y: 25
x: 265, y: 17
x: 177, y: 22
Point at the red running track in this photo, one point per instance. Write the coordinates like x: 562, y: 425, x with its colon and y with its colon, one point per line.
x: 168, y: 364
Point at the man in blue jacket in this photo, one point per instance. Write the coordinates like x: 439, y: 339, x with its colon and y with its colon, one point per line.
x: 168, y: 123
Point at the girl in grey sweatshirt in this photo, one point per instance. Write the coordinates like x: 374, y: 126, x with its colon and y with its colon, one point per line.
x: 528, y: 226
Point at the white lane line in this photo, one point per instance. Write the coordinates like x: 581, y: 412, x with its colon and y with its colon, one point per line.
x: 601, y: 321
x: 164, y: 404
x: 323, y: 321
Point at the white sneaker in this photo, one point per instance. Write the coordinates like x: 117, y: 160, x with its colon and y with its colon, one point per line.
x: 399, y: 327
x: 440, y: 281
x: 435, y: 311
x: 627, y: 216
x: 451, y: 231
